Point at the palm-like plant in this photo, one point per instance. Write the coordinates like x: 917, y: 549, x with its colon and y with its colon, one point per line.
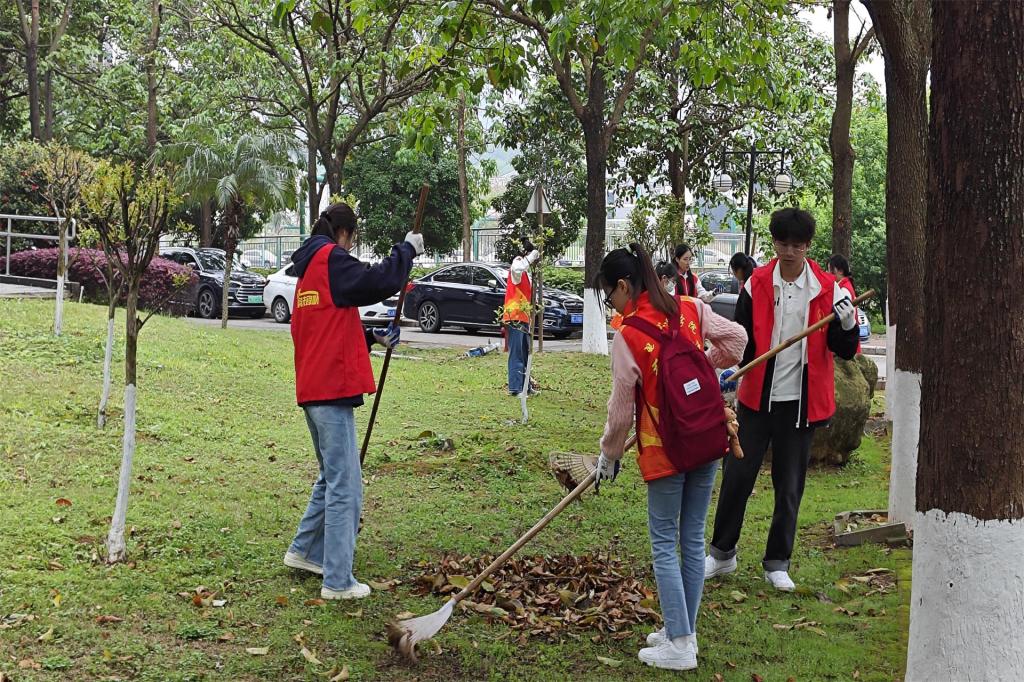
x: 253, y: 172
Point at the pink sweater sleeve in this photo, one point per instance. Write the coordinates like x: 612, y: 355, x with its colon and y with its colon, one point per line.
x: 622, y: 402
x: 728, y: 339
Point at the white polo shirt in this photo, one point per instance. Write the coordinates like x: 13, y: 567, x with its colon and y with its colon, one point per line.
x: 791, y: 304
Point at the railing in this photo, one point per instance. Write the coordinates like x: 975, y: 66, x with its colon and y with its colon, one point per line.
x: 10, y: 234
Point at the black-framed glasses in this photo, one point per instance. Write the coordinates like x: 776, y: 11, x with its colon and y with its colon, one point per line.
x: 608, y: 299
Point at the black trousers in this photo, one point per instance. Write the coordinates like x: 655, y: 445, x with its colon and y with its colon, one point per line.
x: 791, y: 452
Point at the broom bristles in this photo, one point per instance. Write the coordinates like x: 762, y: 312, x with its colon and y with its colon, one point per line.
x: 406, y: 634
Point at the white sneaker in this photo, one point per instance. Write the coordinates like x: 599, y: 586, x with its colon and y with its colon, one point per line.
x: 293, y: 560
x: 780, y: 580
x: 659, y: 636
x: 669, y: 656
x: 357, y: 591
x: 714, y: 567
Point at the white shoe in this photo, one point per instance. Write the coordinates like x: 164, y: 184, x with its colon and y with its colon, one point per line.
x: 669, y: 656
x: 293, y: 560
x: 357, y: 591
x: 659, y: 636
x: 714, y: 567
x: 780, y: 580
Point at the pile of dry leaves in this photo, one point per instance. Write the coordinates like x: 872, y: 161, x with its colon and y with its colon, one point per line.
x: 548, y: 595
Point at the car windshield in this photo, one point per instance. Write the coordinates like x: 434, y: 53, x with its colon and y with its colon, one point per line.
x: 213, y: 261
x: 502, y: 274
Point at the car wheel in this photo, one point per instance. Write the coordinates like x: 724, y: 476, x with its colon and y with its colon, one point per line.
x: 429, y: 317
x: 280, y: 311
x: 471, y: 330
x: 206, y: 305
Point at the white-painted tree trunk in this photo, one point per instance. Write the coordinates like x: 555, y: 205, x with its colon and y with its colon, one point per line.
x: 595, y: 330
x: 115, y: 540
x: 108, y: 353
x: 967, y: 599
x: 890, y: 362
x: 58, y: 316
x: 906, y: 431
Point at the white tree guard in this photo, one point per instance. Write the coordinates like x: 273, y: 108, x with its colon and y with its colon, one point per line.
x: 58, y: 316
x: 967, y: 599
x: 101, y: 418
x: 595, y: 331
x: 906, y: 431
x: 115, y: 540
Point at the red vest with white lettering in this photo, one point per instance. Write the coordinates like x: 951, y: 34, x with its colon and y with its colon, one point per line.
x: 331, y: 361
x: 821, y: 399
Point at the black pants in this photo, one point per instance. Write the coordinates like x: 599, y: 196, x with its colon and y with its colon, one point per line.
x: 791, y: 451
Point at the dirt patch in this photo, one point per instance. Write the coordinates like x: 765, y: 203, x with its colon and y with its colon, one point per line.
x: 819, y: 536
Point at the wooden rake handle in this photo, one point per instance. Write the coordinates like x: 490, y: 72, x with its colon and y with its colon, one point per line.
x: 421, y: 208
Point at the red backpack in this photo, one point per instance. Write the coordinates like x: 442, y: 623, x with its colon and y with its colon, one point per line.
x: 692, y: 425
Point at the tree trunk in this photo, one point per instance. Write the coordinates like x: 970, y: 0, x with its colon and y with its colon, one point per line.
x: 966, y: 616
x: 48, y: 107
x: 232, y: 219
x: 32, y: 71
x: 839, y: 135
x: 313, y: 190
x: 205, y: 223
x: 463, y: 182
x: 62, y: 271
x: 903, y: 32
x: 108, y: 355
x: 115, y: 539
x: 151, y: 76
x: 595, y: 336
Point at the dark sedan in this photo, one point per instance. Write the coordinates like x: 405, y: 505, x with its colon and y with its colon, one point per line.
x: 468, y: 295
x: 245, y: 289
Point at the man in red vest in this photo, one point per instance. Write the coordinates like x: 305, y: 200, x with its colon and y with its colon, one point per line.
x: 782, y: 401
x: 515, y: 316
x: 332, y: 373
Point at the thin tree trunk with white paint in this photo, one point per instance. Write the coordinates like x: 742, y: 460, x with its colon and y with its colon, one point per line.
x: 108, y: 354
x: 967, y: 598
x: 115, y: 540
x: 62, y: 268
x: 595, y: 328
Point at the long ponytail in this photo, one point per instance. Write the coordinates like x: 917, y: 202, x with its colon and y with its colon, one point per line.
x: 634, y: 264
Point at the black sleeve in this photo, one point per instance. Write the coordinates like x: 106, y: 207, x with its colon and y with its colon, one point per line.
x: 745, y: 318
x: 354, y: 283
x: 841, y: 342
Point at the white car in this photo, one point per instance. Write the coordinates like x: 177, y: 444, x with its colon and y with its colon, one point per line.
x: 259, y: 258
x: 279, y: 294
x: 711, y: 258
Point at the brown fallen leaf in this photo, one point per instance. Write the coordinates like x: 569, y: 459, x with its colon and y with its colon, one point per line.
x: 719, y: 678
x: 355, y: 614
x: 28, y: 664
x: 226, y: 637
x: 756, y: 678
x: 258, y: 650
x: 310, y: 656
x: 404, y: 615
x: 315, y: 602
x: 46, y: 636
x: 63, y: 502
x: 281, y: 600
x: 341, y: 676
x: 104, y: 620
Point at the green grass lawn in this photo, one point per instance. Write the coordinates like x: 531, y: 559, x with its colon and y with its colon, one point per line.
x: 221, y: 477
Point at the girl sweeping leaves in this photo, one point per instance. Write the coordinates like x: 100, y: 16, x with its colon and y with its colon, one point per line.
x: 659, y: 327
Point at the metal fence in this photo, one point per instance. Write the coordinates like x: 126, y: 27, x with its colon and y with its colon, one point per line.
x: 9, y: 234
x: 275, y: 251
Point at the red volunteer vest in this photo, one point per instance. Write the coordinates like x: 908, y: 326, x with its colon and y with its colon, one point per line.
x: 517, y: 300
x: 331, y: 361
x: 821, y: 399
x: 686, y: 285
x: 651, y: 457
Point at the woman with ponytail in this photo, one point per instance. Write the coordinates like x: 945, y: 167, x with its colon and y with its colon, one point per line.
x: 677, y: 501
x: 687, y: 283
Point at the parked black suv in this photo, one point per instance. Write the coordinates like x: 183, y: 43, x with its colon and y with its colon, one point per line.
x: 245, y: 291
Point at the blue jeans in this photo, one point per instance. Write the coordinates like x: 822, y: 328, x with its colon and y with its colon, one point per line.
x: 677, y: 509
x: 327, y: 532
x: 518, y: 352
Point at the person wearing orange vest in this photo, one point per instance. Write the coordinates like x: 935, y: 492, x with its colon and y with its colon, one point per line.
x: 782, y: 401
x: 332, y: 373
x: 515, y: 316
x: 839, y: 268
x: 677, y: 503
x: 687, y: 283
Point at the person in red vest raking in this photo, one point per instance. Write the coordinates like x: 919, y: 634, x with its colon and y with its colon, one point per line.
x: 687, y: 283
x: 782, y: 401
x: 515, y: 316
x: 332, y: 374
x: 840, y: 269
x: 678, y: 488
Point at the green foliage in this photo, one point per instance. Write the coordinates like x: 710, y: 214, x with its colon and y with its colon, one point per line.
x: 22, y: 181
x: 567, y: 279
x: 386, y: 179
x: 657, y: 223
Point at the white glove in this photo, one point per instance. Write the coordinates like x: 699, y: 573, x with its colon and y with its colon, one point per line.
x: 416, y: 239
x: 533, y: 256
x: 846, y: 313
x: 607, y: 470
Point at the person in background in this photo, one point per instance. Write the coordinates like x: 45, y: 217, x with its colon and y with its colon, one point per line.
x: 516, y: 316
x: 677, y: 501
x: 332, y: 373
x: 687, y: 283
x: 667, y: 273
x: 742, y: 267
x: 839, y: 267
x: 782, y: 401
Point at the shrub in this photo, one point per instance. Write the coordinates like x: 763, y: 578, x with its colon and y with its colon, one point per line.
x: 86, y: 266
x: 566, y: 279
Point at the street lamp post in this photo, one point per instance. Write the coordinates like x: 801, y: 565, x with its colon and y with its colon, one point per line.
x: 783, y: 181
